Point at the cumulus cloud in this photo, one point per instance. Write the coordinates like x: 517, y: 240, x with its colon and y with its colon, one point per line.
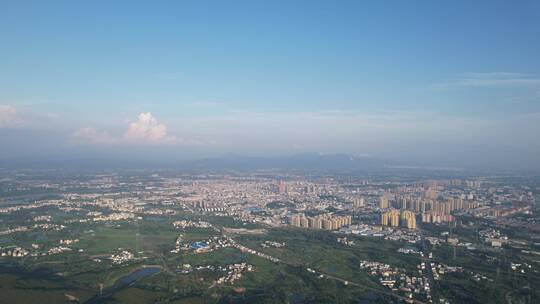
x: 9, y: 117
x: 146, y: 129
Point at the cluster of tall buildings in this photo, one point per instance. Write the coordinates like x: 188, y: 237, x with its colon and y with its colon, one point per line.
x: 419, y: 204
x: 283, y: 187
x: 323, y: 221
x: 436, y: 217
x: 474, y: 184
x: 359, y: 202
x: 207, y: 206
x: 430, y: 208
x: 396, y: 218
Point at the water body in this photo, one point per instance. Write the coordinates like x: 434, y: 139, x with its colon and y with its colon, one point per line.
x: 198, y: 245
x: 155, y: 219
x: 124, y: 282
x: 254, y: 209
x: 134, y: 276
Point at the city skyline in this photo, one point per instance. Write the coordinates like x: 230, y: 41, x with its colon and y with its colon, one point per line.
x: 450, y: 84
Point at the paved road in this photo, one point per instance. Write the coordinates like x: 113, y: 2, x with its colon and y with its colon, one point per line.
x: 429, y: 271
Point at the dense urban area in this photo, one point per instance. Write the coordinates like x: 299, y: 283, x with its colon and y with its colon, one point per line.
x: 400, y: 236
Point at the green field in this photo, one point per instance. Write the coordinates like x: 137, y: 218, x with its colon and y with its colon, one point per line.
x: 50, y: 278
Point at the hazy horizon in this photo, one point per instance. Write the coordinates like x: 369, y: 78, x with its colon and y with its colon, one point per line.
x: 450, y: 84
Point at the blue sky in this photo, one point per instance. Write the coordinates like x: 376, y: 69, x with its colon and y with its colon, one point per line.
x: 398, y: 79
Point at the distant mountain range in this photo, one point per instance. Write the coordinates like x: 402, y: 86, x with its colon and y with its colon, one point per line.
x: 230, y: 162
x: 308, y: 161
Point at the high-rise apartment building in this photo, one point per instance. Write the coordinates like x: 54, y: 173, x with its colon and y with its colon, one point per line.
x: 408, y: 219
x: 323, y: 221
x: 395, y: 218
x: 359, y: 202
x: 383, y: 202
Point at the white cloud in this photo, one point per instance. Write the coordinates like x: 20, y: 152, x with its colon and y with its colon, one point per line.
x: 23, y: 117
x: 146, y: 129
x: 94, y: 136
x: 9, y: 117
x: 494, y: 79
